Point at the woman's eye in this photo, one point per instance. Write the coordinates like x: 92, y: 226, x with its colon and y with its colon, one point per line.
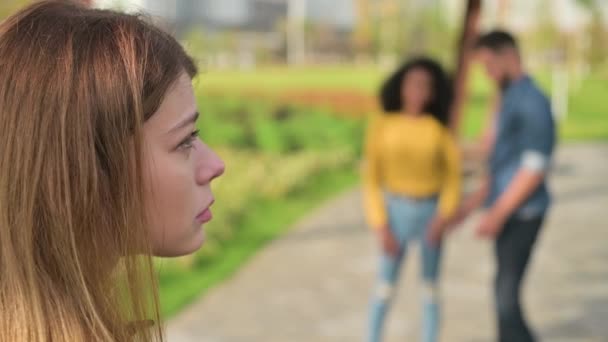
x: 187, y: 143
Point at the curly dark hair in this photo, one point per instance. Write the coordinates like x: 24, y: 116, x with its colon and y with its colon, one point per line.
x: 439, y: 106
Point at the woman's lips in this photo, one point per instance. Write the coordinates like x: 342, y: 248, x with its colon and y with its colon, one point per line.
x: 205, y: 216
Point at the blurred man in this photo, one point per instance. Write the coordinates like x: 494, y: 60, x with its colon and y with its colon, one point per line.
x: 515, y: 193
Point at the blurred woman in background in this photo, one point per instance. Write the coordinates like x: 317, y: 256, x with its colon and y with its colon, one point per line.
x: 412, y: 183
x: 100, y: 169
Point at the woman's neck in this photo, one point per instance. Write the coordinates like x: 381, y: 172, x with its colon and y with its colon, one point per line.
x: 411, y: 112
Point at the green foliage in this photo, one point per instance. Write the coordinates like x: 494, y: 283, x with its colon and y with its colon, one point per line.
x: 259, y: 126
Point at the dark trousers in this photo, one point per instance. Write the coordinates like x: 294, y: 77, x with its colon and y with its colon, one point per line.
x: 513, y: 248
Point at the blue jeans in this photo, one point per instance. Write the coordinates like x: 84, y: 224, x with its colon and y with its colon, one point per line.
x: 408, y: 220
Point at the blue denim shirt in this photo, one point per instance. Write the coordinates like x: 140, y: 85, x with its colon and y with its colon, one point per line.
x: 525, y: 135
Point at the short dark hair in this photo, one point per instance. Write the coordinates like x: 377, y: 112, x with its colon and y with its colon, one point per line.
x: 438, y: 107
x: 496, y: 41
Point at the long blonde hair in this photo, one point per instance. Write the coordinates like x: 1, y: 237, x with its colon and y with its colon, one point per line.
x: 76, y: 86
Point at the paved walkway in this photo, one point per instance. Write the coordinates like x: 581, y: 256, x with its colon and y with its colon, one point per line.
x: 314, y: 283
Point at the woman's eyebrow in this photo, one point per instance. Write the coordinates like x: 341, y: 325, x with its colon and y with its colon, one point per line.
x: 189, y: 120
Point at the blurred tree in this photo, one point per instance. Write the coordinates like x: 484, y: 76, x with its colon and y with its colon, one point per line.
x: 589, y: 4
x: 596, y: 34
x: 503, y: 11
x: 296, y: 31
x: 440, y: 39
x: 362, y: 33
x: 425, y: 30
x: 197, y: 42
x: 470, y: 27
x: 281, y: 53
x: 387, y: 27
x: 546, y: 37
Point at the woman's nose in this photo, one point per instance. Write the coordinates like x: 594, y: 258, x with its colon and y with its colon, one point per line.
x: 210, y: 166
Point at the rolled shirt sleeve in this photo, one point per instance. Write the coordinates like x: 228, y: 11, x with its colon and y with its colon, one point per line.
x: 537, y: 134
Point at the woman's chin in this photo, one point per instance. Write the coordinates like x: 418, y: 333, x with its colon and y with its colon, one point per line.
x: 189, y: 245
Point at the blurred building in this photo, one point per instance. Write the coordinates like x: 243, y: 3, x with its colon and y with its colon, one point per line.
x: 516, y: 14
x: 324, y: 30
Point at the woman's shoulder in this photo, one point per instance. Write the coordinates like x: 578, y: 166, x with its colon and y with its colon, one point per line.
x: 376, y: 119
x: 436, y: 124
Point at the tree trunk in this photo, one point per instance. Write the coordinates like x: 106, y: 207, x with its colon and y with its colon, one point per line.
x: 469, y: 32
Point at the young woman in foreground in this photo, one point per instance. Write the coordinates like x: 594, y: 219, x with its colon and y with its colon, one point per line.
x: 100, y: 169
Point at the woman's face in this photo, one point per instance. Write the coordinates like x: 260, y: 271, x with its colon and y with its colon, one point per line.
x: 179, y: 169
x: 416, y: 90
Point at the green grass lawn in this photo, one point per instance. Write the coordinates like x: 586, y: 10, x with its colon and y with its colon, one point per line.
x: 275, y: 79
x: 587, y: 118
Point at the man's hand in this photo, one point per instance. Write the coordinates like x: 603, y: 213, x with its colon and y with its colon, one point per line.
x: 388, y: 241
x: 491, y: 224
x: 470, y: 204
x: 460, y: 216
x: 520, y: 188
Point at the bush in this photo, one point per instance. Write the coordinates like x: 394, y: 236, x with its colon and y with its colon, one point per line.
x: 258, y: 126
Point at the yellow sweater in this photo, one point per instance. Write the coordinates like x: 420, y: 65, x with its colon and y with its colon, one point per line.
x: 411, y: 156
